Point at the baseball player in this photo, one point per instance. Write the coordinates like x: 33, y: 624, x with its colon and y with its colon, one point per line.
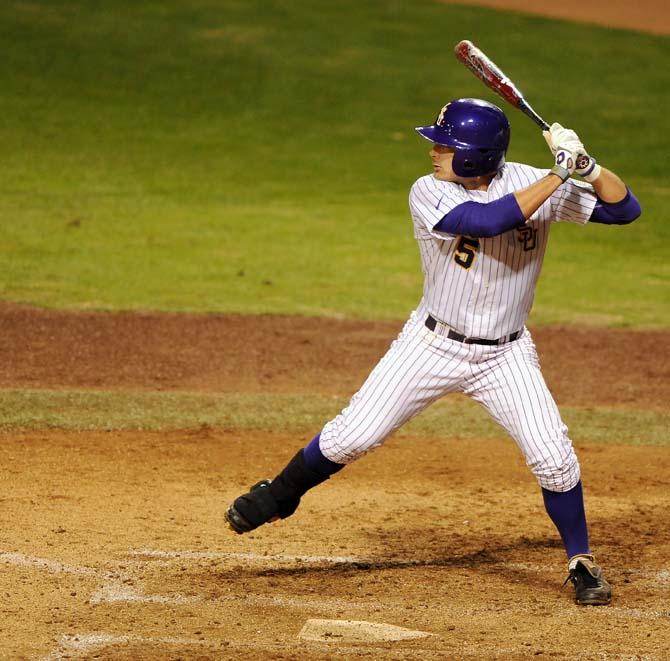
x: 482, y: 227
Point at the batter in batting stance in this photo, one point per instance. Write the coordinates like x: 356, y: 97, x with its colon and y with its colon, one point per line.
x: 482, y: 227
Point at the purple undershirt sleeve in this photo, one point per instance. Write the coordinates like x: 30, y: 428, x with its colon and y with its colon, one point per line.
x: 483, y: 220
x: 617, y: 213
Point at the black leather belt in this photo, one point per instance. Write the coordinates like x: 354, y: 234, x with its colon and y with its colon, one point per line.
x: 431, y: 324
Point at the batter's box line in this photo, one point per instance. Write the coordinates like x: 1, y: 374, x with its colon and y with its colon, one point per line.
x: 118, y: 594
x: 57, y: 567
x: 249, y: 557
x: 662, y: 575
x: 80, y: 645
x: 83, y: 645
x: 114, y: 587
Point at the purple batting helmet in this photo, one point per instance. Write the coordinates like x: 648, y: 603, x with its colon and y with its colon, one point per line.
x: 477, y: 130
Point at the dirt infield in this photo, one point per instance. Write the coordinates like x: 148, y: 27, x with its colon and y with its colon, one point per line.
x: 52, y: 349
x: 112, y: 544
x: 644, y: 15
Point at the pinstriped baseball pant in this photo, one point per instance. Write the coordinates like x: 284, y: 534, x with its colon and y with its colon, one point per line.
x: 421, y: 366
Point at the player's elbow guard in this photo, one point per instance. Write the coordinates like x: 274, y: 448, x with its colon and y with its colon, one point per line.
x: 618, y: 213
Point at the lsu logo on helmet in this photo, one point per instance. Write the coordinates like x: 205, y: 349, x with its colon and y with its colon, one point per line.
x: 440, y: 117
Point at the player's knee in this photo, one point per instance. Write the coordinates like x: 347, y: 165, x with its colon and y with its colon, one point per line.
x: 344, y: 451
x: 557, y: 475
x: 342, y: 444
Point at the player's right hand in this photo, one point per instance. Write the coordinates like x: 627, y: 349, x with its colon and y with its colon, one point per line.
x: 586, y: 166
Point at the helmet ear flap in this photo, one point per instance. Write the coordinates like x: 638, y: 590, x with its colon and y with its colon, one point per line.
x: 477, y: 162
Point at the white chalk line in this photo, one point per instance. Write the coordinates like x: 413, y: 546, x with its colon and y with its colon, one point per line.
x: 114, y: 587
x: 83, y: 644
x: 251, y: 557
x: 52, y: 566
x: 115, y: 590
x: 334, y: 559
x: 55, y: 566
x: 124, y: 594
x: 662, y: 576
x: 121, y: 593
x: 638, y: 613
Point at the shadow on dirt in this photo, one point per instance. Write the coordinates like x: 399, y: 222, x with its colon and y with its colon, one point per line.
x: 482, y: 558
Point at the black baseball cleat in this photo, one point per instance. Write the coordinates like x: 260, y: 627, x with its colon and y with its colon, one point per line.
x: 257, y: 507
x: 591, y: 588
x: 269, y: 500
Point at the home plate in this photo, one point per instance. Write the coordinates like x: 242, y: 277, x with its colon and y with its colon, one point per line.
x: 353, y: 631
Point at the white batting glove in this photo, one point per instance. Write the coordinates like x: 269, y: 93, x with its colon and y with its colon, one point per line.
x: 586, y: 166
x: 558, y: 136
x: 564, y: 163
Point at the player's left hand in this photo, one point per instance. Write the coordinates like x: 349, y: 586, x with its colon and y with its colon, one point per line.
x: 566, y: 158
x: 558, y: 136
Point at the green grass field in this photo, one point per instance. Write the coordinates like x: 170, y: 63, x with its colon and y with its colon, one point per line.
x: 78, y: 410
x: 256, y: 156
x: 248, y: 156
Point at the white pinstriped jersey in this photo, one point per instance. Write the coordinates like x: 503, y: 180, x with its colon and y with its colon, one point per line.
x: 485, y: 287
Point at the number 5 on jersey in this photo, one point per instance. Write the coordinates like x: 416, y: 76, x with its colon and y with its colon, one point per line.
x: 465, y: 251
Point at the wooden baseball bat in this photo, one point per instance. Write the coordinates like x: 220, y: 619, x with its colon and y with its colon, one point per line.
x: 491, y: 75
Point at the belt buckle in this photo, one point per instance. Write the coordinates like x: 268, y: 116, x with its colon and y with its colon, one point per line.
x: 486, y: 342
x: 458, y: 337
x: 432, y: 323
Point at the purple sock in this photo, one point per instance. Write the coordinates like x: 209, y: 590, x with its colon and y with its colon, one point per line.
x: 566, y: 510
x: 316, y: 461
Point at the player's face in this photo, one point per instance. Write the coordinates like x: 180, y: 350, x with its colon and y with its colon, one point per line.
x: 442, y: 156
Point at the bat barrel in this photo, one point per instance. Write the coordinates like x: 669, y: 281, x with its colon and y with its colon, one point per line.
x: 495, y: 79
